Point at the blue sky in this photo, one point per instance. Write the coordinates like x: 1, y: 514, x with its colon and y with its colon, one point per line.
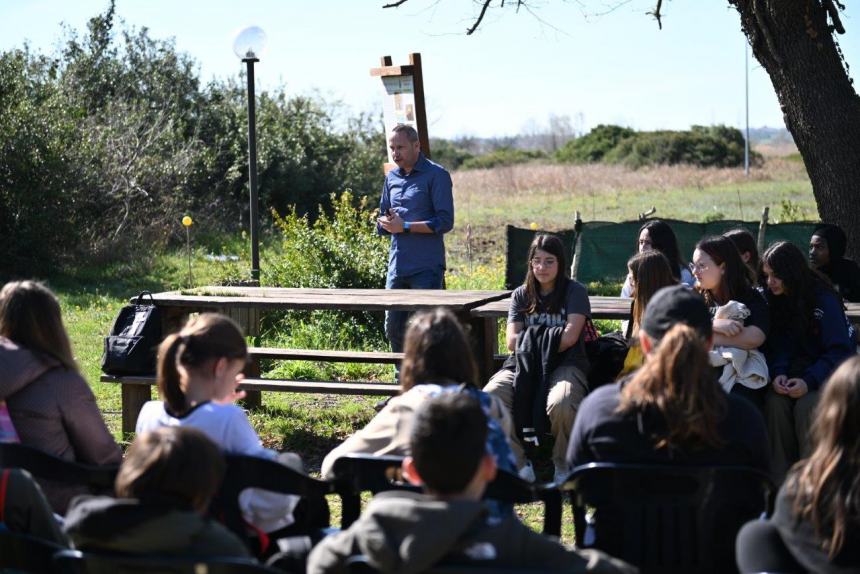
x: 512, y: 74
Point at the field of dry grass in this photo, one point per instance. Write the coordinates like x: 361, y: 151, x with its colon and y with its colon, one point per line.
x: 549, y: 195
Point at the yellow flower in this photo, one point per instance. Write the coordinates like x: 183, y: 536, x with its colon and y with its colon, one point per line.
x: 187, y: 221
x: 533, y: 226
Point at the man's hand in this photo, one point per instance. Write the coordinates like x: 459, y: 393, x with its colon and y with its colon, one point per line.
x: 392, y: 223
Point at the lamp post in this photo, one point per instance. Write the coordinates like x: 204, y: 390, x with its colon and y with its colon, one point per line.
x: 248, y: 46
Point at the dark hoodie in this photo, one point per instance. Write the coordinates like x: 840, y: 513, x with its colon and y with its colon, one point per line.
x: 54, y: 410
x: 101, y: 523
x: 843, y: 273
x: 409, y: 533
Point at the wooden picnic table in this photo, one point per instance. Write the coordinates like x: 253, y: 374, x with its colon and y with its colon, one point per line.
x: 245, y: 305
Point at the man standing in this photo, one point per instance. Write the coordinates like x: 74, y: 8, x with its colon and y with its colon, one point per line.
x: 416, y: 209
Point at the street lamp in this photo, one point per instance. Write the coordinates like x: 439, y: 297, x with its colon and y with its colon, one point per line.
x: 249, y: 45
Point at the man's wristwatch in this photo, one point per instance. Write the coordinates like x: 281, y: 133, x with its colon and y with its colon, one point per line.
x: 406, y: 227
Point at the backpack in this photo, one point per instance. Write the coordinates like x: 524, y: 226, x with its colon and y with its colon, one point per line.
x: 606, y: 353
x: 131, y: 346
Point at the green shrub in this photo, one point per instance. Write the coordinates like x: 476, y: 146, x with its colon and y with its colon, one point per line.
x: 593, y: 146
x: 503, y: 156
x: 340, y: 250
x: 448, y: 155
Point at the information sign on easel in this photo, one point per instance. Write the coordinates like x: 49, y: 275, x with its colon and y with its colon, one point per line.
x: 403, y: 99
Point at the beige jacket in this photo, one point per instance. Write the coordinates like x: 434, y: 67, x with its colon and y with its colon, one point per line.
x: 388, y: 432
x: 54, y: 410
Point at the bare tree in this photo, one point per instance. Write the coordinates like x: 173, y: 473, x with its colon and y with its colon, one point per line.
x: 795, y: 41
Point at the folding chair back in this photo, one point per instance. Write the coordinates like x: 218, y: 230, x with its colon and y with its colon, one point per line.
x: 666, y: 518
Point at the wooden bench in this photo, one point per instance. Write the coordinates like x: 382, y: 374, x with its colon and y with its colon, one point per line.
x: 373, y: 357
x: 137, y: 390
x: 245, y: 305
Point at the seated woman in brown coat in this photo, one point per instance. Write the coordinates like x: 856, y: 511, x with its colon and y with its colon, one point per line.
x: 50, y: 404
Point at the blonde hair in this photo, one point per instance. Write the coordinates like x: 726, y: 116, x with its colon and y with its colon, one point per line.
x: 678, y: 382
x: 827, y: 484
x: 206, y: 337
x: 30, y: 316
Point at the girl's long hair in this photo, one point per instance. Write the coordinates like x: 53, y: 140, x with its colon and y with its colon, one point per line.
x: 737, y: 279
x: 651, y: 272
x: 552, y: 245
x: 436, y: 350
x: 204, y: 338
x: 794, y: 310
x: 677, y: 383
x: 663, y: 240
x: 826, y: 486
x: 30, y: 316
x: 746, y: 243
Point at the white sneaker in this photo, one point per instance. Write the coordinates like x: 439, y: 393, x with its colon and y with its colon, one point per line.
x: 527, y: 472
x: 560, y: 475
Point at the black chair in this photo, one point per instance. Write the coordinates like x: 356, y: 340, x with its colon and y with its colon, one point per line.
x: 76, y: 562
x: 253, y: 472
x: 667, y: 518
x: 23, y: 553
x: 357, y: 473
x: 359, y: 564
x: 49, y: 467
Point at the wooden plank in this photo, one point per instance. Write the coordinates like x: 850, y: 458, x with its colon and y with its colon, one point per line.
x: 375, y: 357
x: 219, y: 298
x: 281, y: 385
x: 405, y: 70
x: 603, y: 307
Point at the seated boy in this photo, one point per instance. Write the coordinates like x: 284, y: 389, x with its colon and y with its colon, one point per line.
x: 410, y: 532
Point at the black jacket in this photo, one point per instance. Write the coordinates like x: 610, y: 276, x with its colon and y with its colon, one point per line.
x: 536, y: 357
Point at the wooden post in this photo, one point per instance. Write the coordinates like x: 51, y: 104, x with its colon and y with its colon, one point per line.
x: 574, y: 265
x: 420, y: 112
x: 404, y: 81
x: 133, y: 399
x: 762, y: 227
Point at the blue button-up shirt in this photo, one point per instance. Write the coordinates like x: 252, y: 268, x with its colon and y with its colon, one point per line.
x: 425, y: 194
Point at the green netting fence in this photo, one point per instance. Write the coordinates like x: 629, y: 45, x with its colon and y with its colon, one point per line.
x: 600, y: 249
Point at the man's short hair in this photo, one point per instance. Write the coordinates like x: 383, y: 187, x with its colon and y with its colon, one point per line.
x: 448, y: 441
x: 410, y: 132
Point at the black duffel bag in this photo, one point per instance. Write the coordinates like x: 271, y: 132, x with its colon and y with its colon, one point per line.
x: 132, y: 345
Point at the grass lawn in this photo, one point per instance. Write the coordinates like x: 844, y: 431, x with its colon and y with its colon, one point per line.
x: 486, y: 200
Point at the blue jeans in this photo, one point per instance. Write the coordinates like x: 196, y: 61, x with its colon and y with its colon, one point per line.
x: 395, y: 321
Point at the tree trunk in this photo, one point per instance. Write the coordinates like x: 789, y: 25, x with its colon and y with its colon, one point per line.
x: 794, y: 43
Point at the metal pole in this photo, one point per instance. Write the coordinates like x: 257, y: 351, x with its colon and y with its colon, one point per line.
x: 747, y: 91
x: 252, y: 172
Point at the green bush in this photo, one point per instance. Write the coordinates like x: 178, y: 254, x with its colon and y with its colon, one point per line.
x: 702, y: 146
x: 447, y: 154
x: 593, y: 146
x: 341, y: 250
x: 503, y: 156
x: 107, y: 142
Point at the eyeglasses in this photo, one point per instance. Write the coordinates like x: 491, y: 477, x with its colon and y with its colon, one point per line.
x: 698, y: 267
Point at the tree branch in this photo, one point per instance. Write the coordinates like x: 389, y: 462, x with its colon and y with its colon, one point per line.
x: 480, y: 17
x: 656, y: 13
x: 834, y: 14
x: 395, y: 4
